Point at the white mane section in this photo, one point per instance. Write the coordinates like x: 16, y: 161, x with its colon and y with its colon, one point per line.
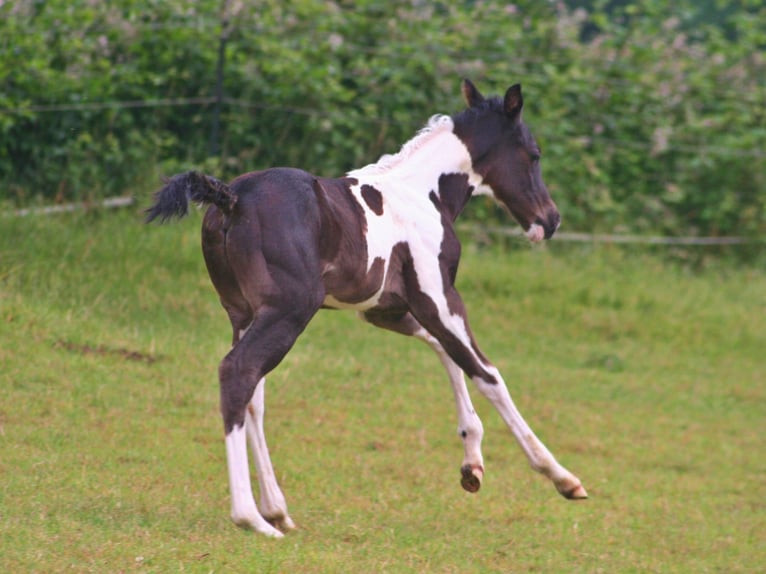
x: 436, y: 126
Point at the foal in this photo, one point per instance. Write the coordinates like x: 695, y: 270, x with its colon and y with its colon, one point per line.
x: 280, y: 244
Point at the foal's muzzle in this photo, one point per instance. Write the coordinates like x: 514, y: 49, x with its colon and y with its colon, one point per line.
x: 550, y: 223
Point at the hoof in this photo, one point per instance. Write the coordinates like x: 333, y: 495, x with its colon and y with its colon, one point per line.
x: 257, y: 525
x: 575, y: 493
x: 471, y: 477
x: 282, y: 522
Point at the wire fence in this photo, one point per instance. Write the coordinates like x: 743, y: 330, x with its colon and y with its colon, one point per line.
x: 680, y: 147
x: 97, y: 106
x: 237, y: 102
x: 472, y: 228
x: 575, y: 237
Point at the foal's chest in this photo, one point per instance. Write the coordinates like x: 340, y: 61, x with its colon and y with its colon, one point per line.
x: 392, y: 217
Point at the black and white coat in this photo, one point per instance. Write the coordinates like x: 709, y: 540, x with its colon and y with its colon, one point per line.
x: 280, y: 244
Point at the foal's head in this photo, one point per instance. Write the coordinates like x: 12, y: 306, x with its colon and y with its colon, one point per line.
x: 507, y: 157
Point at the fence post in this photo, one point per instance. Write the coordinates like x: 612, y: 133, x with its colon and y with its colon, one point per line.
x: 215, y: 146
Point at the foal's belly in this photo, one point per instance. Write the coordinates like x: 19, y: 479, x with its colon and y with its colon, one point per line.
x: 355, y: 288
x: 331, y: 302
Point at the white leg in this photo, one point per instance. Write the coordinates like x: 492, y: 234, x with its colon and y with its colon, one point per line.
x: 273, y: 506
x: 450, y: 317
x: 540, y: 458
x: 243, y: 510
x: 469, y: 429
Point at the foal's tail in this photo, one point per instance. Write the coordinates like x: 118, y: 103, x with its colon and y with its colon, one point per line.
x: 173, y: 198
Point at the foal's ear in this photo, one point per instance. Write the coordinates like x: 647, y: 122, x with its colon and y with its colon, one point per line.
x: 513, y: 101
x: 471, y: 95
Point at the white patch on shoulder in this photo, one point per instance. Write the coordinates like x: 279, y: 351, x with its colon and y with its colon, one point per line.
x: 405, y: 181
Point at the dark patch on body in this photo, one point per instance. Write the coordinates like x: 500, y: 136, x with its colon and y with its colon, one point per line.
x: 263, y: 257
x: 454, y: 193
x: 449, y: 259
x: 449, y: 251
x: 368, y: 286
x: 373, y: 198
x: 402, y: 293
x: 392, y: 304
x: 215, y: 228
x: 344, y: 255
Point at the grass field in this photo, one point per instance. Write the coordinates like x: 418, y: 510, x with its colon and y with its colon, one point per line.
x: 646, y: 379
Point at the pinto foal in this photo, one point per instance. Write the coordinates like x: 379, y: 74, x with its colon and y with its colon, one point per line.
x: 280, y: 244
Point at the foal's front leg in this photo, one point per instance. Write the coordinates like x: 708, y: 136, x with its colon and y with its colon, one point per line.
x: 443, y: 315
x: 469, y: 428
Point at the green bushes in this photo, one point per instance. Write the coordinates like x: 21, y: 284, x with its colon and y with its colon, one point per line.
x: 650, y: 119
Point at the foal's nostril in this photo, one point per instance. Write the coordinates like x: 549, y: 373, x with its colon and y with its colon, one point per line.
x: 552, y: 224
x: 555, y: 222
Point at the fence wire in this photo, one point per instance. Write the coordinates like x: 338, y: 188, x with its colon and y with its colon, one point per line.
x: 476, y: 229
x: 237, y: 102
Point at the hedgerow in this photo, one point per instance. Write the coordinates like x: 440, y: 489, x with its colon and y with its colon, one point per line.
x: 650, y: 116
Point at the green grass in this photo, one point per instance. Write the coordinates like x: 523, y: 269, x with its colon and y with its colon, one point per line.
x: 646, y: 379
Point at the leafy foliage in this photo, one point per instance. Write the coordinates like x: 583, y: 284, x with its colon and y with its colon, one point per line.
x: 651, y: 116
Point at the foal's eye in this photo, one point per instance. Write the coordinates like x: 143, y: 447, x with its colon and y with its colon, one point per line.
x: 534, y: 156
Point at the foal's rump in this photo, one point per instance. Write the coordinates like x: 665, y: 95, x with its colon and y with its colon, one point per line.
x: 276, y: 223
x: 261, y: 233
x: 279, y: 188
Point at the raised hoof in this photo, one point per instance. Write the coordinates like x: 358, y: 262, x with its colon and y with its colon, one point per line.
x: 471, y: 477
x: 575, y: 493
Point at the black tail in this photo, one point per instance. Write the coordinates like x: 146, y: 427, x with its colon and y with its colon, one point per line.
x: 173, y: 198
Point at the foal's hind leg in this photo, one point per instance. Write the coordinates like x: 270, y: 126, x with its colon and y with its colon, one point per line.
x: 260, y: 349
x: 273, y: 506
x: 244, y: 512
x: 469, y: 428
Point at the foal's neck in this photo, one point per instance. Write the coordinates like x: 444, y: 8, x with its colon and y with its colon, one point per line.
x: 423, y: 163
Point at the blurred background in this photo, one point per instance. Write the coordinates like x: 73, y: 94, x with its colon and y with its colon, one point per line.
x: 651, y: 115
